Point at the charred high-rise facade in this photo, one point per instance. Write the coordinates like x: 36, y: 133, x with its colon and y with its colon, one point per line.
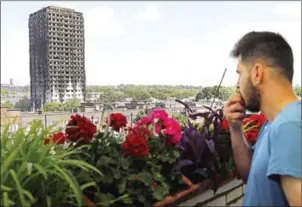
x: 57, y: 61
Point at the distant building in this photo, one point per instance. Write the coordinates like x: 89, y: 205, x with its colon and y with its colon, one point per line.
x: 14, y: 92
x: 93, y: 97
x: 15, y: 88
x: 57, y: 66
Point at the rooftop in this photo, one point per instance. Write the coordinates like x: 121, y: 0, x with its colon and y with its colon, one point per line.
x: 59, y: 8
x: 62, y: 9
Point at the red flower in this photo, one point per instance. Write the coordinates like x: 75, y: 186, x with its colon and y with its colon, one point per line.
x: 142, y: 130
x: 136, y: 145
x: 225, y: 124
x: 142, y: 127
x: 80, y: 128
x: 154, y: 184
x: 117, y: 121
x: 59, y: 138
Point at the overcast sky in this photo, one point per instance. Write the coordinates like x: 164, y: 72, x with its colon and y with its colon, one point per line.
x: 154, y: 42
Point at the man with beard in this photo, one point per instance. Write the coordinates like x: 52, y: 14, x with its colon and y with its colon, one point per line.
x: 273, y: 168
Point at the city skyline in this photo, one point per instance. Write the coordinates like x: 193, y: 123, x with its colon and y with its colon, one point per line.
x: 150, y: 43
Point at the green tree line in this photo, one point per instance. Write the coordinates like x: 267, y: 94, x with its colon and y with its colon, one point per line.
x: 24, y: 105
x: 58, y: 106
x: 146, y: 92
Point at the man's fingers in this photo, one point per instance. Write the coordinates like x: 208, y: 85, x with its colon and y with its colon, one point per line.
x: 237, y: 107
x: 236, y: 116
x: 233, y: 99
x: 234, y: 110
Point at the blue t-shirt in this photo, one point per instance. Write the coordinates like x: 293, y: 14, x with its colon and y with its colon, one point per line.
x: 276, y: 153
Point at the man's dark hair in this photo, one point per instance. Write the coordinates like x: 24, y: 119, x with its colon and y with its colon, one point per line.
x: 271, y: 47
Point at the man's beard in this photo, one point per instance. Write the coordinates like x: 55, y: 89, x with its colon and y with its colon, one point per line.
x: 252, y: 98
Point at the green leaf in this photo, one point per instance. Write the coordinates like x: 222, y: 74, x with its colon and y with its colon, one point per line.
x: 5, y: 188
x: 82, y: 164
x: 117, y: 173
x: 158, y: 193
x: 5, y: 200
x: 41, y: 170
x: 18, y: 187
x: 122, y: 186
x: 87, y: 185
x: 107, y: 199
x: 73, y: 184
x: 105, y: 160
x: 31, y: 177
x: 7, y: 161
x: 133, y: 177
x: 176, y: 153
x: 29, y: 168
x: 48, y: 201
x: 146, y: 178
x: 141, y: 199
x: 29, y: 195
x: 157, y: 176
x: 127, y: 200
x: 68, y: 154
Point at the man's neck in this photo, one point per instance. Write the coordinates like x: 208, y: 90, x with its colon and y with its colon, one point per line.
x: 273, y: 101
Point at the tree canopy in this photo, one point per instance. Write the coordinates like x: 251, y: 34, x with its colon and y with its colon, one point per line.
x: 146, y: 92
x: 57, y: 106
x: 23, y: 104
x: 8, y: 104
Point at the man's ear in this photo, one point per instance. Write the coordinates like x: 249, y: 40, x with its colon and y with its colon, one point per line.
x: 257, y: 74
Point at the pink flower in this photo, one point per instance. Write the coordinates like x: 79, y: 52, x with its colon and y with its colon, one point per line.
x: 172, y: 126
x: 172, y: 130
x: 144, y: 121
x: 169, y: 128
x: 159, y: 114
x: 175, y: 139
x: 158, y: 128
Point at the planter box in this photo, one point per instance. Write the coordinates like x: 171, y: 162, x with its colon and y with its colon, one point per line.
x: 229, y: 193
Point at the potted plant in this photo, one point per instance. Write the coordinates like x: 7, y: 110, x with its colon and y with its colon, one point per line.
x: 138, y: 162
x: 37, y: 172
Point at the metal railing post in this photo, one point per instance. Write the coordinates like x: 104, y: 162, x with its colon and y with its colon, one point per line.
x: 45, y: 121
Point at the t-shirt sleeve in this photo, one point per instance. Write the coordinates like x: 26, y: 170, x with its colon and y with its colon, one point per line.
x: 285, y: 151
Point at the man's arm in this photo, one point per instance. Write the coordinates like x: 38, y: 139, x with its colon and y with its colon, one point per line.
x: 242, y: 155
x: 234, y: 111
x: 285, y: 160
x: 292, y: 188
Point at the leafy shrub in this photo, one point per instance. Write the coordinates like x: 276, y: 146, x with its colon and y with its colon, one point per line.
x: 34, y: 174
